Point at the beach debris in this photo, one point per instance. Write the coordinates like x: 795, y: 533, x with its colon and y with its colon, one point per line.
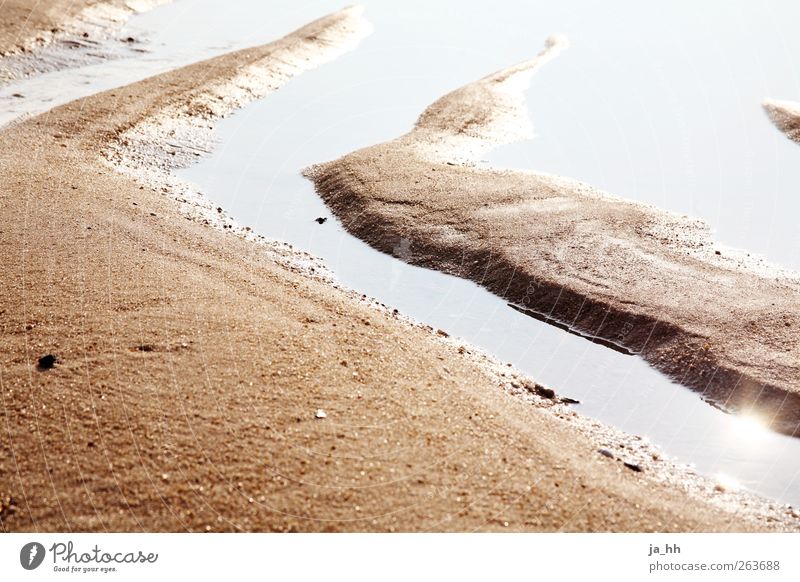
x: 18, y: 95
x: 47, y: 362
x: 633, y: 466
x: 606, y: 453
x: 320, y: 414
x: 541, y: 391
x: 568, y: 400
x: 321, y: 220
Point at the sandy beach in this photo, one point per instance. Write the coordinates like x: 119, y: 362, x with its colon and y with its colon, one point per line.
x: 652, y: 282
x: 201, y: 378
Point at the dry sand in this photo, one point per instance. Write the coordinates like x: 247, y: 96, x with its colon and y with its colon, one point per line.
x: 192, y: 363
x: 652, y: 282
x: 786, y: 117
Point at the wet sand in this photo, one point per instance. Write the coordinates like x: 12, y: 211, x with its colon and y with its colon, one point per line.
x: 26, y: 24
x: 786, y: 117
x: 36, y: 36
x: 652, y: 282
x: 208, y: 380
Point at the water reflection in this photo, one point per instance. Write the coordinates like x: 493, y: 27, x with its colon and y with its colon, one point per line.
x: 749, y: 429
x: 375, y: 94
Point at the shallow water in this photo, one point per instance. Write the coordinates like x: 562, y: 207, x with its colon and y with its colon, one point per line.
x: 167, y: 37
x: 657, y: 106
x: 663, y: 105
x: 374, y: 94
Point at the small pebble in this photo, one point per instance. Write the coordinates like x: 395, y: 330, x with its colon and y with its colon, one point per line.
x: 320, y: 414
x: 543, y: 391
x: 47, y: 362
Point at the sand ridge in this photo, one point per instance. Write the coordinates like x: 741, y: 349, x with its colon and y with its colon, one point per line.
x: 42, y: 36
x: 786, y: 117
x: 654, y: 282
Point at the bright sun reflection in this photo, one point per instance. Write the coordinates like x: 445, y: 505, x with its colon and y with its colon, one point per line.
x: 748, y: 427
x: 727, y: 482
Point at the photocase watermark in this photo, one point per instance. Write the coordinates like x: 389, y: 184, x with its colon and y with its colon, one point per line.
x: 31, y: 555
x: 67, y: 558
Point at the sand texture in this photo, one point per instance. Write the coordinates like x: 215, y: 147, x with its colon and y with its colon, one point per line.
x: 786, y: 117
x: 649, y: 281
x: 208, y: 380
x: 38, y: 36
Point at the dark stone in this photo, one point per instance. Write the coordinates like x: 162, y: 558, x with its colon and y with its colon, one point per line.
x: 634, y: 467
x: 606, y: 453
x: 321, y: 220
x: 544, y: 392
x: 47, y: 362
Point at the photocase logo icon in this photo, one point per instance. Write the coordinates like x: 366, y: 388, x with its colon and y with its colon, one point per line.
x: 31, y: 555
